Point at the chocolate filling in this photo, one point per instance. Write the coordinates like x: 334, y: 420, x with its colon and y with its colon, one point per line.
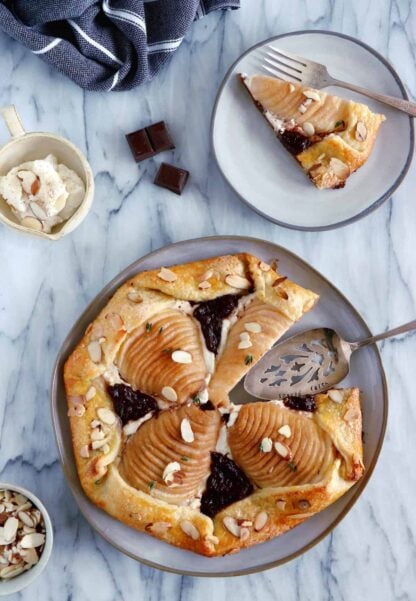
x: 300, y: 403
x: 131, y: 404
x: 211, y: 314
x: 294, y: 141
x: 208, y: 406
x: 225, y: 485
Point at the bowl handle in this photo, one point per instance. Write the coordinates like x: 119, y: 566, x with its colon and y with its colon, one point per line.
x: 12, y: 120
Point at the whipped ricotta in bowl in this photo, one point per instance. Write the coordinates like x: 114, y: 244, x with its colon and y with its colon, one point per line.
x: 42, y: 193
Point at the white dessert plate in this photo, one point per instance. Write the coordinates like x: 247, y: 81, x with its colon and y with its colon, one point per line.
x: 334, y: 311
x: 264, y: 174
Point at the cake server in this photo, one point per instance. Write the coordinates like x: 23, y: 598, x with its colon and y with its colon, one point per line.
x: 308, y: 363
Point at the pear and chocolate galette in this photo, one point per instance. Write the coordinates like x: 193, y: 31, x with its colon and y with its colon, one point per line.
x: 330, y: 137
x: 158, y: 443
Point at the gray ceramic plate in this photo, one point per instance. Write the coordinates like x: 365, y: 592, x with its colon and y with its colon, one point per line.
x: 333, y: 310
x: 263, y: 173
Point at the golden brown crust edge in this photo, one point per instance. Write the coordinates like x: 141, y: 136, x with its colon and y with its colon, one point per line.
x: 181, y: 526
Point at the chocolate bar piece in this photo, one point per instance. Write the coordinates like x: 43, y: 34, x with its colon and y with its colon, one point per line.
x: 151, y: 140
x: 172, y: 178
x: 140, y: 145
x: 159, y: 137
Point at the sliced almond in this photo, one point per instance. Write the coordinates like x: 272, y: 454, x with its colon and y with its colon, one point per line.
x: 159, y: 528
x: 312, y: 94
x: 28, y: 178
x: 308, y: 128
x: 283, y: 450
x: 302, y: 109
x: 232, y: 526
x: 281, y: 504
x: 169, y: 393
x: 106, y: 415
x: 36, y: 539
x: 167, y: 275
x: 186, y: 431
x: 253, y: 327
x: 244, y: 533
x: 26, y: 519
x: 264, y: 266
x: 172, y: 474
x: 32, y: 223
x: 285, y: 431
x: 291, y: 88
x: 90, y: 394
x: 245, y: 344
x: 351, y: 414
x: 244, y: 336
x: 204, y: 284
x: 261, y: 520
x: 84, y: 451
x: 97, y: 434
x: 11, y: 571
x: 207, y: 275
x: 266, y: 445
x: 99, y: 444
x: 10, y: 528
x: 76, y: 411
x: 106, y: 448
x: 181, y: 357
x: 30, y: 556
x: 38, y: 211
x: 340, y: 169
x: 190, y: 529
x: 360, y: 131
x: 134, y: 296
x: 237, y: 281
x: 95, y: 351
x: 115, y: 321
x: 336, y: 395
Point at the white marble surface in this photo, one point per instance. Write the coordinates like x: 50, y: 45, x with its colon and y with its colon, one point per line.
x: 44, y: 286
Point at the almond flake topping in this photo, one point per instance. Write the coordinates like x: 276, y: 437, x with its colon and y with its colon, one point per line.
x: 261, y: 520
x: 106, y: 415
x: 189, y: 529
x: 97, y: 434
x: 181, y: 357
x: 302, y: 109
x: 237, y: 281
x: 253, y: 327
x: 169, y: 393
x: 134, y: 296
x: 232, y: 526
x: 335, y: 395
x: 245, y: 343
x: 285, y: 431
x: 76, y: 411
x: 291, y: 88
x: 84, y: 451
x: 94, y: 351
x: 281, y: 504
x: 115, y: 321
x: 282, y: 450
x: 159, y: 528
x: 360, y: 131
x: 167, y: 275
x: 207, y: 275
x: 351, y: 414
x: 90, y: 394
x: 186, y: 430
x: 203, y: 285
x: 340, y: 169
x: 32, y: 223
x: 98, y: 444
x: 171, y: 473
x: 266, y: 445
x: 264, y: 266
x: 312, y: 94
x: 308, y: 128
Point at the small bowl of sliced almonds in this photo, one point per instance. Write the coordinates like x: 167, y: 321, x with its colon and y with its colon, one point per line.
x: 26, y: 538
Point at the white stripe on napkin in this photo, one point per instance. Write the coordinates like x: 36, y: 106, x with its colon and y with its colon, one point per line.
x: 48, y: 47
x: 94, y: 42
x: 167, y: 46
x: 125, y: 15
x: 115, y: 81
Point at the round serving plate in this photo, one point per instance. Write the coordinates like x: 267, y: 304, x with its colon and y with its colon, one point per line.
x: 264, y: 174
x: 333, y: 310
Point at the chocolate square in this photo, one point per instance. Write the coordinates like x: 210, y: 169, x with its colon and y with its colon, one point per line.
x: 159, y: 137
x: 172, y: 178
x: 140, y: 145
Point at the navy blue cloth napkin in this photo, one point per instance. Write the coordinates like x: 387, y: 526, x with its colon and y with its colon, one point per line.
x: 106, y: 44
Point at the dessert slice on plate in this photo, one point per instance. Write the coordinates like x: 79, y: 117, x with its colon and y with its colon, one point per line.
x: 330, y: 137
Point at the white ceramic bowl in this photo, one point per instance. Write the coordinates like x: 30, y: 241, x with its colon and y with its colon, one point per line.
x: 14, y: 585
x: 24, y: 147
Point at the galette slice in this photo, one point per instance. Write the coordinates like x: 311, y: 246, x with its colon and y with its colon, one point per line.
x: 330, y: 137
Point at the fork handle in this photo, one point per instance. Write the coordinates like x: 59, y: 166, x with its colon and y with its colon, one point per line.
x: 398, y: 103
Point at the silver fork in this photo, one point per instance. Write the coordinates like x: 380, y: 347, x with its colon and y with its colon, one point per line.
x: 280, y: 62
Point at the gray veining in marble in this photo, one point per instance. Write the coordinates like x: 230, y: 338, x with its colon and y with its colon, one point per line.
x: 44, y: 286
